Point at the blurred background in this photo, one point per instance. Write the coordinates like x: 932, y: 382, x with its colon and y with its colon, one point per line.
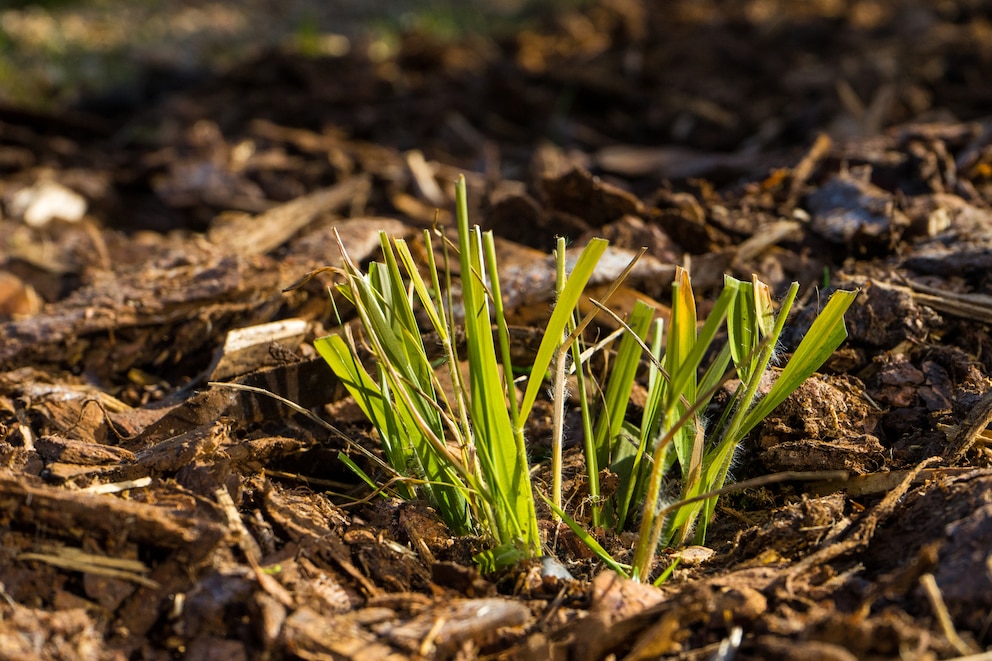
x: 54, y: 53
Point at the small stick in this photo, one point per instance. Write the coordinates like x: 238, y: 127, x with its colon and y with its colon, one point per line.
x: 929, y: 584
x: 970, y: 429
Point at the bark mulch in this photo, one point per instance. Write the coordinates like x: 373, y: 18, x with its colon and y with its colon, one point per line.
x: 146, y: 513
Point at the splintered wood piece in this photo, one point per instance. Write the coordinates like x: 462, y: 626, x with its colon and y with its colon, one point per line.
x: 312, y: 636
x: 56, y: 448
x: 442, y: 630
x: 247, y: 349
x: 805, y: 168
x: 172, y: 454
x: 423, y: 177
x: 77, y: 514
x: 976, y: 307
x: 185, y: 295
x: 308, y: 383
x: 256, y: 235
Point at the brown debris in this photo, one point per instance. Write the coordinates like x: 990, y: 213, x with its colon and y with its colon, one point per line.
x: 160, y: 287
x: 79, y: 514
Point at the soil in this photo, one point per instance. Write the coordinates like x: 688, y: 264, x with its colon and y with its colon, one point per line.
x: 150, y: 510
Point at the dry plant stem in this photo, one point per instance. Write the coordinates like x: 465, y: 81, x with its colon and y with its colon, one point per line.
x: 862, y: 532
x: 976, y: 307
x: 558, y: 394
x: 755, y: 482
x: 561, y: 361
x: 984, y: 656
x: 313, y: 417
x: 653, y: 520
x: 970, y: 430
x: 929, y: 584
x: 586, y: 320
x: 764, y: 480
x: 74, y: 559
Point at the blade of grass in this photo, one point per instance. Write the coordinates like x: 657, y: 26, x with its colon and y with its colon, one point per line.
x: 347, y: 461
x: 681, y: 341
x: 564, y: 306
x: 652, y: 524
x: 826, y: 334
x: 345, y: 365
x: 620, y: 382
x: 408, y: 419
x: 592, y: 467
x: 610, y: 449
x: 647, y: 433
x: 498, y: 449
x: 587, y: 539
x: 717, y: 462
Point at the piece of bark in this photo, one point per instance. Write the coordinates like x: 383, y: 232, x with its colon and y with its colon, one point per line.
x: 446, y: 627
x: 311, y: 636
x: 255, y: 235
x: 77, y: 513
x: 155, y: 296
x: 307, y: 383
x: 247, y: 349
x: 57, y: 448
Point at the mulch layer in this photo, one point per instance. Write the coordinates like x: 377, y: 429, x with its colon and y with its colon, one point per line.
x: 146, y: 513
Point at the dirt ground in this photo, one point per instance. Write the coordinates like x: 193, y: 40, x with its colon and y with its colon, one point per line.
x: 147, y: 514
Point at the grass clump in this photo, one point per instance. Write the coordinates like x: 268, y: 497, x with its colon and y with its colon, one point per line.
x: 672, y: 430
x: 465, y: 451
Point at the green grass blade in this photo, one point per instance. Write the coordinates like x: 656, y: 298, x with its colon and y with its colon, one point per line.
x: 654, y: 407
x: 564, y: 306
x: 753, y: 365
x: 715, y: 372
x: 362, y: 475
x: 607, y: 436
x: 667, y: 574
x: 647, y: 433
x: 620, y: 382
x: 680, y: 343
x: 588, y: 540
x: 741, y: 335
x: 701, y: 344
x: 503, y: 334
x: 501, y: 557
x: 401, y: 319
x: 401, y: 404
x: 681, y: 337
x: 824, y: 337
x: 343, y: 362
x: 428, y: 302
x: 750, y: 320
x: 498, y: 452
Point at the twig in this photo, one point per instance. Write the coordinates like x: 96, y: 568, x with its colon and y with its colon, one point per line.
x: 863, y: 531
x: 970, y: 429
x: 929, y: 584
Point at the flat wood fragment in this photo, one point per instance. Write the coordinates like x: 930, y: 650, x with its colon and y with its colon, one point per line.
x: 248, y: 349
x: 259, y: 234
x: 77, y: 514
